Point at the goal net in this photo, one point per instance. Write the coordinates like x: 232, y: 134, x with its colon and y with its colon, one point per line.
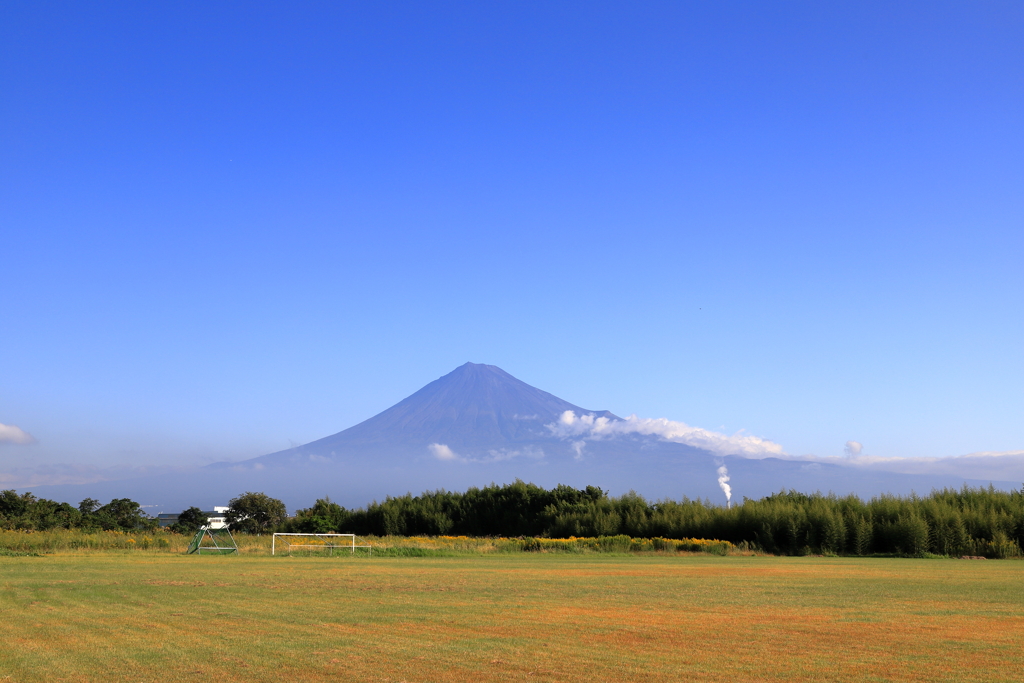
x: 317, y: 543
x: 212, y: 541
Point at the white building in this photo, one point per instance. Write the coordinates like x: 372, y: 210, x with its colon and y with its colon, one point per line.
x: 217, y: 517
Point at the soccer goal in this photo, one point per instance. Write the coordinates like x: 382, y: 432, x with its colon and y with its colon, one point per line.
x: 213, y: 541
x: 317, y: 542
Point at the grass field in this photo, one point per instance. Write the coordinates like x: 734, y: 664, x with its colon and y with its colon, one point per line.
x: 161, y: 617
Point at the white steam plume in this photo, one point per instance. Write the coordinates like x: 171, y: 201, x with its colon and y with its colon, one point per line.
x: 853, y: 449
x: 723, y: 483
x: 577, y: 446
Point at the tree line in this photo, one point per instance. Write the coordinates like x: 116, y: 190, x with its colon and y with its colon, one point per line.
x: 249, y: 513
x: 967, y: 521
x: 25, y: 511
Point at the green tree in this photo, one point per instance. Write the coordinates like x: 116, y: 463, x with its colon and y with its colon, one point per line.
x: 911, y: 535
x: 122, y: 514
x: 832, y: 537
x: 255, y: 513
x: 12, y: 505
x: 862, y: 532
x: 190, y: 521
x: 324, y: 517
x: 48, y: 514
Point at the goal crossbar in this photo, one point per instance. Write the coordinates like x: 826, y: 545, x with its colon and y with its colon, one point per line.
x: 318, y: 542
x: 210, y: 540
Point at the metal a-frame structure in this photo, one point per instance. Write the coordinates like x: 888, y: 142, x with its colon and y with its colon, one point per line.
x: 212, y: 541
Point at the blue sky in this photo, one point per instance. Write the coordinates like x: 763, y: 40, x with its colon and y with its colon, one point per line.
x: 227, y: 229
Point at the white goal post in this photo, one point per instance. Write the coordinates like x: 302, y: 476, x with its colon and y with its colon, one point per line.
x: 317, y: 542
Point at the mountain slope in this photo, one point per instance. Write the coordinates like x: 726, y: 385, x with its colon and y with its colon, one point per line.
x: 475, y: 409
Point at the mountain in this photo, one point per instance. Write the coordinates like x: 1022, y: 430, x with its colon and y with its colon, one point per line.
x: 478, y: 411
x: 478, y: 425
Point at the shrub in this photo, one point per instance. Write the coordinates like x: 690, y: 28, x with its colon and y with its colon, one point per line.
x: 255, y: 513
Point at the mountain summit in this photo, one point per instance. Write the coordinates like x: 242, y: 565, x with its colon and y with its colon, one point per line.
x: 473, y: 405
x: 475, y: 409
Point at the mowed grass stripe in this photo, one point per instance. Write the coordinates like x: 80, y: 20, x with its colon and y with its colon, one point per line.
x: 106, y: 617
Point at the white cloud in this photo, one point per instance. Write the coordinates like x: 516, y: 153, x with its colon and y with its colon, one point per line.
x: 993, y: 454
x: 255, y: 467
x: 591, y: 428
x: 853, y: 448
x: 984, y: 466
x: 442, y: 452
x: 924, y: 463
x: 497, y: 455
x: 76, y: 473
x: 12, y: 434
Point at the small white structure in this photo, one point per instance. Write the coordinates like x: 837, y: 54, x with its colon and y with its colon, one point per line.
x: 217, y: 517
x: 309, y: 542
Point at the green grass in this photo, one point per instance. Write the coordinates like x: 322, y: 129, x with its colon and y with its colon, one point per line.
x: 161, y: 541
x: 135, y: 616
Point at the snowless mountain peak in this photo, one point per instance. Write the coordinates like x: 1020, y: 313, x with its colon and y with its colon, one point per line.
x: 474, y: 407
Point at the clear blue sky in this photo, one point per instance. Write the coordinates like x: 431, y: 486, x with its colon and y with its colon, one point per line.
x: 227, y: 228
